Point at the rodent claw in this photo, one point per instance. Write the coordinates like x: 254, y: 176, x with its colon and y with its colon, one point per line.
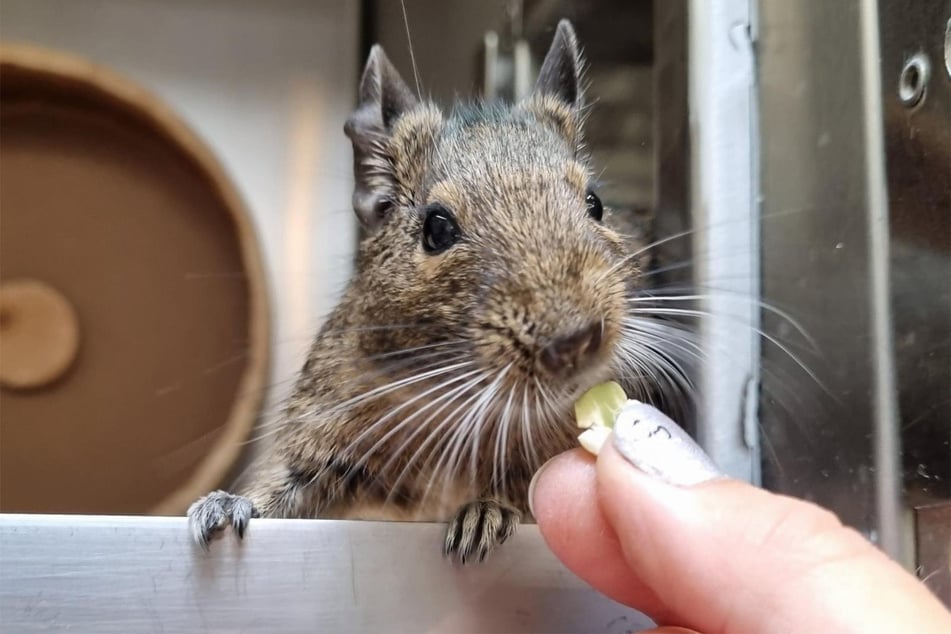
x: 479, y: 527
x: 209, y: 516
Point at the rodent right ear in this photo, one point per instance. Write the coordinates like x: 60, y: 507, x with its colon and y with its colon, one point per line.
x: 384, y: 98
x: 560, y: 74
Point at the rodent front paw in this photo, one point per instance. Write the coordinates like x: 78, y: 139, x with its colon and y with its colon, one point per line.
x: 212, y: 513
x: 478, y: 527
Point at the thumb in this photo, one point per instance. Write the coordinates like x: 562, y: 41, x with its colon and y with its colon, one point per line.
x: 716, y: 555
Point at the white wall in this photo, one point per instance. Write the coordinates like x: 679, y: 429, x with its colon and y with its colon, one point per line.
x: 267, y: 84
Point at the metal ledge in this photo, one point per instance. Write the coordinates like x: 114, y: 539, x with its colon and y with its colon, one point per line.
x: 142, y: 574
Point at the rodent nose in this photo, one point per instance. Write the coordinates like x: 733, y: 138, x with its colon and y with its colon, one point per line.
x: 566, y: 354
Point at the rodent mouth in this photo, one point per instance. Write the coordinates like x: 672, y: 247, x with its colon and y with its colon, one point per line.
x: 560, y: 391
x: 584, y: 381
x: 560, y: 367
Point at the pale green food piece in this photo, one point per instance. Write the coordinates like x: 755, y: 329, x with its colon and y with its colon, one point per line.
x: 593, y: 439
x: 600, y: 405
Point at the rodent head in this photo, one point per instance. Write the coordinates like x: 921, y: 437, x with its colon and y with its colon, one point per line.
x: 483, y: 229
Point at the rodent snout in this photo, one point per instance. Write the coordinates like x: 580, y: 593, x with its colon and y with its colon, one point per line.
x: 569, y: 353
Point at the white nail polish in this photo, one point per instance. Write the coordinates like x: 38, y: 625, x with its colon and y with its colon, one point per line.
x: 660, y: 447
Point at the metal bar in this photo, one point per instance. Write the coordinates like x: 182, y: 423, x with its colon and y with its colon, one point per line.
x: 885, y: 406
x: 142, y: 574
x: 725, y: 235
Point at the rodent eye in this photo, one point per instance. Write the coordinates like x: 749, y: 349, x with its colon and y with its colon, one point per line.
x: 595, y: 208
x: 440, y: 230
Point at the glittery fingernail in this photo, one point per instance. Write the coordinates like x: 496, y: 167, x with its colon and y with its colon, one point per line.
x: 660, y: 447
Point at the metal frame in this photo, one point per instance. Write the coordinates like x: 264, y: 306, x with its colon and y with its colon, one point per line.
x: 127, y: 575
x: 885, y: 407
x: 725, y: 237
x: 825, y: 253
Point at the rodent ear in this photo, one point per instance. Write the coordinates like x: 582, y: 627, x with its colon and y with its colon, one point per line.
x: 560, y: 75
x: 384, y: 98
x: 558, y: 95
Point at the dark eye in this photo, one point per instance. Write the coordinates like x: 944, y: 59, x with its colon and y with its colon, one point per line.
x: 440, y: 230
x: 595, y: 208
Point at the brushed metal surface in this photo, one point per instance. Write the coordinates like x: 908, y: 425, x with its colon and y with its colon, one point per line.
x: 824, y: 249
x: 141, y: 574
x: 933, y: 548
x: 856, y: 190
x: 918, y: 160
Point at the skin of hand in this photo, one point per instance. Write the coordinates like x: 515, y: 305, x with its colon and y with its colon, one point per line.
x: 673, y: 538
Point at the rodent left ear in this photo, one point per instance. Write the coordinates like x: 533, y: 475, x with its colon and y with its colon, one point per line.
x: 384, y: 98
x: 558, y: 95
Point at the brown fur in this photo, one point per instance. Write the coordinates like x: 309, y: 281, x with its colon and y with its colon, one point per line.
x: 531, y: 267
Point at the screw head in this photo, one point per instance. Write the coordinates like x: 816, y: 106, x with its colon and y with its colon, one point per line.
x: 913, y: 80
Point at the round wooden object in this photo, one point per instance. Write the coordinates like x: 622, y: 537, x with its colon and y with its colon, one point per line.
x: 109, y: 199
x: 39, y: 334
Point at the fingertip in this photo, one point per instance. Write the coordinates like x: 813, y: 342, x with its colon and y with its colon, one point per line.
x: 568, y: 474
x: 570, y: 520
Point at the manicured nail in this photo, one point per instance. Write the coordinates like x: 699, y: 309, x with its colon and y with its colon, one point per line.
x: 660, y: 447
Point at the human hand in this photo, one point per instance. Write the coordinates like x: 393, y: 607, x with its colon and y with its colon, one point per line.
x: 692, y: 549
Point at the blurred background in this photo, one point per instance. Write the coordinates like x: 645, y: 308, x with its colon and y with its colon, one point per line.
x: 260, y: 224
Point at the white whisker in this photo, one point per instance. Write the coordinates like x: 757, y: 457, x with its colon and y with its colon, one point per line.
x: 649, y: 298
x: 395, y: 385
x: 468, y: 425
x: 501, y: 440
x: 434, y: 436
x: 412, y: 55
x: 773, y: 340
x: 396, y: 353
x: 374, y: 427
x: 449, y: 398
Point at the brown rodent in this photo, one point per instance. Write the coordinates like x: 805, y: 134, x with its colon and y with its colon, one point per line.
x: 489, y: 295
